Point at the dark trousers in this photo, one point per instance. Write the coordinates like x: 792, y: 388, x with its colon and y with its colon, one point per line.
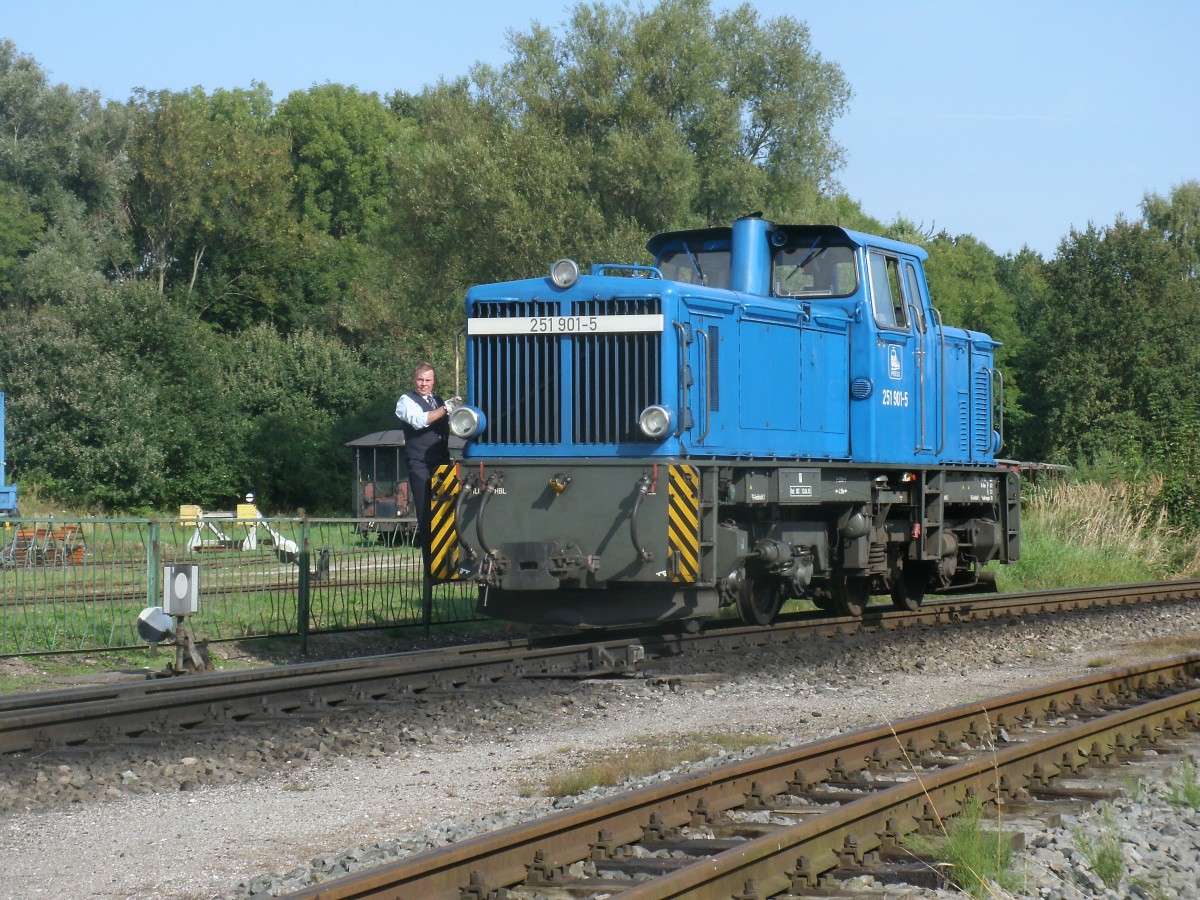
x: 419, y: 477
x: 418, y: 482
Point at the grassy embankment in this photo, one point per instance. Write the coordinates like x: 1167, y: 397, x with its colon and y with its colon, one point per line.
x: 1084, y: 533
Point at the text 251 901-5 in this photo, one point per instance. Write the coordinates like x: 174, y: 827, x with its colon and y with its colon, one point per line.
x: 895, y: 398
x: 562, y: 324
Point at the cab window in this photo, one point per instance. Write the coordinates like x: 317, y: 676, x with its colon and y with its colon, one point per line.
x: 887, y: 295
x: 696, y: 266
x: 914, y: 294
x: 814, y: 271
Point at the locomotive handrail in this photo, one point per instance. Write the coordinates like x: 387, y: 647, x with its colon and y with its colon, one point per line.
x: 684, y: 410
x: 995, y: 375
x: 941, y: 328
x: 640, y: 271
x: 458, y: 337
x: 920, y: 338
x: 700, y: 332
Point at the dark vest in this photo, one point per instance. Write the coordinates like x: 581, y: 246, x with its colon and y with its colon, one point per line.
x: 426, y: 444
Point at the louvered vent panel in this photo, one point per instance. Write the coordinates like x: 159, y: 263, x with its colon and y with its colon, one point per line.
x: 615, y: 376
x: 981, y: 411
x: 964, y: 423
x: 518, y: 378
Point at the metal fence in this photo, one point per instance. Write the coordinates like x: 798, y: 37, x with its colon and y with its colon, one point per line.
x: 80, y: 584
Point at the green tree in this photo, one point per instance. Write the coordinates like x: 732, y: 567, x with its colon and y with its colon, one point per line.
x: 197, y: 428
x: 1112, y: 350
x: 64, y: 152
x: 295, y: 391
x: 20, y: 230
x: 1022, y: 276
x: 211, y: 203
x: 79, y: 418
x: 343, y: 149
x: 701, y: 116
x: 1176, y: 219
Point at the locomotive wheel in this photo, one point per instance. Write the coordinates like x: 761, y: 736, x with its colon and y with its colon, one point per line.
x: 850, y: 596
x: 759, y: 600
x: 909, y: 588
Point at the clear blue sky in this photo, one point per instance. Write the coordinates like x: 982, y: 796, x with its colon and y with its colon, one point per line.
x: 1013, y: 121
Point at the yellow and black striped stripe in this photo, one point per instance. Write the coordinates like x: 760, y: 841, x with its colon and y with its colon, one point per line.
x: 443, y: 547
x: 683, y: 524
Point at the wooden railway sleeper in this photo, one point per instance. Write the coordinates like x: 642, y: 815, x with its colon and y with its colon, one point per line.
x: 630, y: 866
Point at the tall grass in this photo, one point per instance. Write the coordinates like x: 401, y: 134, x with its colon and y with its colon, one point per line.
x: 1087, y: 532
x: 1103, y: 850
x: 1185, y: 787
x: 980, y: 860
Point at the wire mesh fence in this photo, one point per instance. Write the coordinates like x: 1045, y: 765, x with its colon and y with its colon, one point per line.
x: 80, y: 584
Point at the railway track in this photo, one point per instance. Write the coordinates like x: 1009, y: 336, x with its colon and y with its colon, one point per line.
x: 781, y: 824
x: 160, y: 709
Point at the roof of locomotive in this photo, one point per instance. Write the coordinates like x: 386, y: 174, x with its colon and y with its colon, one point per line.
x: 724, y: 235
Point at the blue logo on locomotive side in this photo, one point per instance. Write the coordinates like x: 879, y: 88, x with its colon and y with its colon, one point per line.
x: 895, y: 369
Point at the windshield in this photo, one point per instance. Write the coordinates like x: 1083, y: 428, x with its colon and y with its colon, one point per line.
x: 814, y: 270
x: 693, y: 265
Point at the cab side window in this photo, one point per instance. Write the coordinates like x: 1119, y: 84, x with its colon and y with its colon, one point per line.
x: 914, y: 294
x: 887, y: 295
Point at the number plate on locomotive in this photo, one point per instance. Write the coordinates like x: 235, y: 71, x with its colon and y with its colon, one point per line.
x: 565, y: 324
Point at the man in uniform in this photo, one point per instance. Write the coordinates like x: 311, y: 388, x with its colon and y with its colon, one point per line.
x: 424, y: 418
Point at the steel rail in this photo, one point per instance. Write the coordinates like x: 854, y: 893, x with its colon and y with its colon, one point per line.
x: 795, y: 857
x: 162, y: 705
x: 538, y: 849
x: 71, y: 718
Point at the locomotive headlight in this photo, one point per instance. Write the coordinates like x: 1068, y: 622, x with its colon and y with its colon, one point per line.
x: 656, y: 422
x: 467, y: 422
x: 564, y: 273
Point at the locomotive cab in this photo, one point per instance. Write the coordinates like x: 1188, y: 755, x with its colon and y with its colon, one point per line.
x: 766, y: 412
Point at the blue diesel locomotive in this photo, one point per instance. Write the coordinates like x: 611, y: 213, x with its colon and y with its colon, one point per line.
x: 767, y: 412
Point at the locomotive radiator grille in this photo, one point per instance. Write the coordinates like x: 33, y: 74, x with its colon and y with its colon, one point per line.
x: 981, y: 411
x: 443, y: 530
x: 517, y: 377
x: 615, y: 376
x: 683, y: 524
x: 530, y: 391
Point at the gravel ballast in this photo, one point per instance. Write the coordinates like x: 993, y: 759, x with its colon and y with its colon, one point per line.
x: 239, y: 815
